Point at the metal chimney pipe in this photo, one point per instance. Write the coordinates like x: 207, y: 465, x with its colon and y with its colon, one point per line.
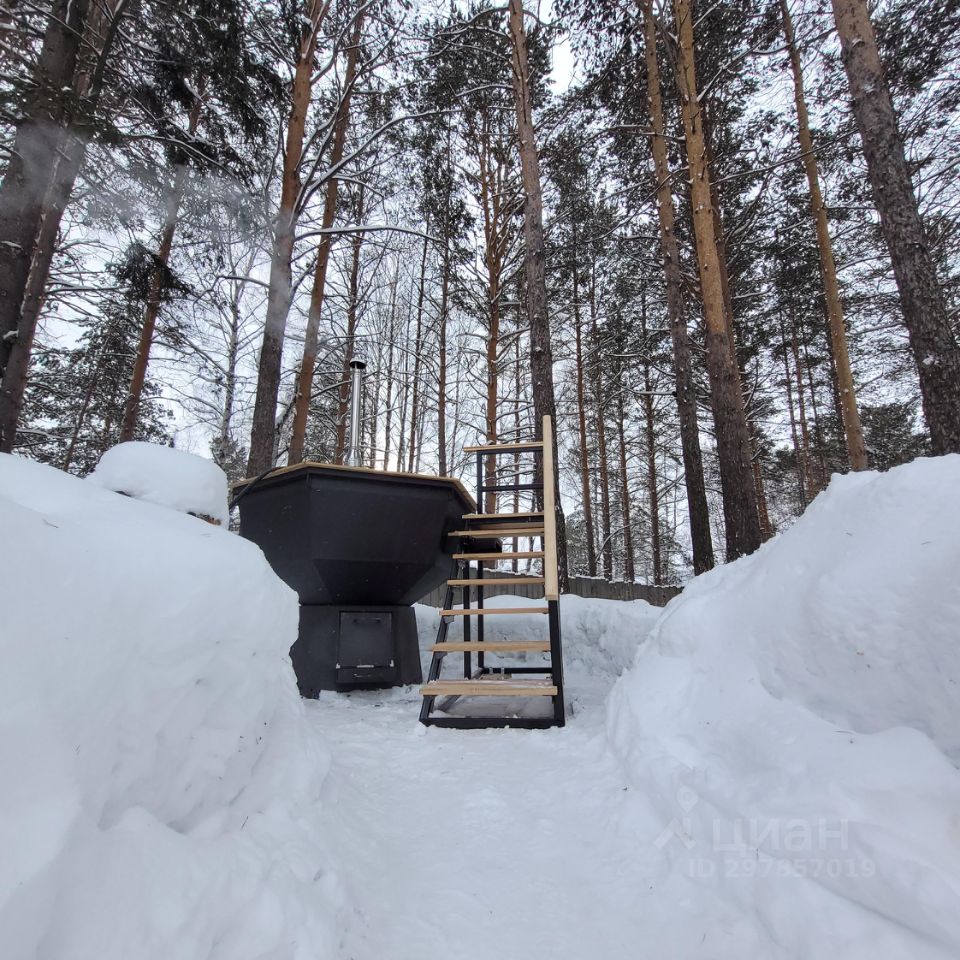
x: 354, y: 454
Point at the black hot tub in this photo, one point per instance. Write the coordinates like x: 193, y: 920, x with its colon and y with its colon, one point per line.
x: 359, y: 546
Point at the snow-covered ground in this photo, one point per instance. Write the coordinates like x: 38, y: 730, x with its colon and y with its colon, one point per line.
x: 767, y: 769
x: 158, y: 786
x: 793, y: 718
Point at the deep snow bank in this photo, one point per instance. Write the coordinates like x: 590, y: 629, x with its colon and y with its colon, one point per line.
x: 154, y: 769
x: 792, y: 715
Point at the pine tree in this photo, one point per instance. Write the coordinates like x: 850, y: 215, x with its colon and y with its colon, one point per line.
x: 742, y: 520
x: 541, y: 345
x: 74, y: 408
x: 851, y: 418
x: 932, y: 340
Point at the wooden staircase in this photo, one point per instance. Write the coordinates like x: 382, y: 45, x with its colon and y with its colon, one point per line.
x: 513, y: 683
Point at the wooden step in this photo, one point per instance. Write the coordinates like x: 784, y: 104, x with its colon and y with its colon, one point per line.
x: 491, y: 611
x: 489, y: 688
x: 522, y: 555
x: 502, y: 516
x: 493, y: 581
x: 531, y: 530
x: 495, y: 646
x: 492, y: 447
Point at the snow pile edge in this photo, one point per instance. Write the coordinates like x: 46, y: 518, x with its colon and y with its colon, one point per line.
x: 791, y: 718
x: 157, y: 774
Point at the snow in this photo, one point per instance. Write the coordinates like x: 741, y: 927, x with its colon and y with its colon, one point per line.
x: 488, y: 843
x: 772, y: 777
x: 765, y: 769
x: 165, y: 476
x: 793, y: 718
x: 158, y: 791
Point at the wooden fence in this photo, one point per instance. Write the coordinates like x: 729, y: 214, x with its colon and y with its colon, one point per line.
x: 580, y: 586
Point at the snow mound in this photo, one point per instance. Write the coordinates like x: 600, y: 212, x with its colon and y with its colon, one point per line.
x: 602, y: 636
x: 157, y: 776
x: 165, y: 476
x: 793, y: 719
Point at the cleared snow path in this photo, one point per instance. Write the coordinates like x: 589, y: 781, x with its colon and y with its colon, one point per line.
x: 489, y: 843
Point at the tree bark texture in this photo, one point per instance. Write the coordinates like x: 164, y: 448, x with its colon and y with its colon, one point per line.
x: 741, y: 519
x: 853, y: 431
x: 686, y: 391
x: 924, y: 308
x: 309, y: 360
x: 263, y: 432
x: 541, y: 350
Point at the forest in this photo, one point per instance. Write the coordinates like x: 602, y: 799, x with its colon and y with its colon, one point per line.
x: 717, y: 242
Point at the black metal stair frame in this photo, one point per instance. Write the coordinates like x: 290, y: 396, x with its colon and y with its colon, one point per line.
x: 469, y: 580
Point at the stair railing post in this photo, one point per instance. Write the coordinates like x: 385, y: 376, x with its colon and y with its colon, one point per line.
x: 550, y: 571
x: 551, y: 576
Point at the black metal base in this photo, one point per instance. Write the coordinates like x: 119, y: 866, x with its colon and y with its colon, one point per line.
x: 485, y: 723
x: 355, y: 647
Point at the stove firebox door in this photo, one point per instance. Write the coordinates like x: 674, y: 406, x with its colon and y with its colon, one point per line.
x: 367, y: 652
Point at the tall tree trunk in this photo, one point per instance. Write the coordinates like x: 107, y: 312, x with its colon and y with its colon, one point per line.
x: 309, y: 360
x: 224, y: 444
x: 442, y: 360
x: 420, y: 431
x: 817, y: 431
x: 653, y: 492
x: 46, y: 116
x: 412, y: 452
x: 606, y: 533
x: 517, y: 386
x: 490, y: 413
x: 158, y: 279
x: 67, y: 151
x: 853, y: 432
x: 263, y: 432
x: 629, y: 565
x: 809, y: 483
x: 404, y: 403
x: 763, y: 515
x: 603, y: 479
x: 494, y: 244
x: 836, y: 404
x: 541, y: 349
x: 651, y: 438
x: 763, y: 511
x: 392, y: 336
x: 921, y: 296
x: 686, y: 391
x: 720, y: 237
x: 590, y: 534
x: 343, y: 400
x: 20, y: 342
x: 741, y: 519
x: 788, y: 381
x: 600, y: 428
x: 372, y: 416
